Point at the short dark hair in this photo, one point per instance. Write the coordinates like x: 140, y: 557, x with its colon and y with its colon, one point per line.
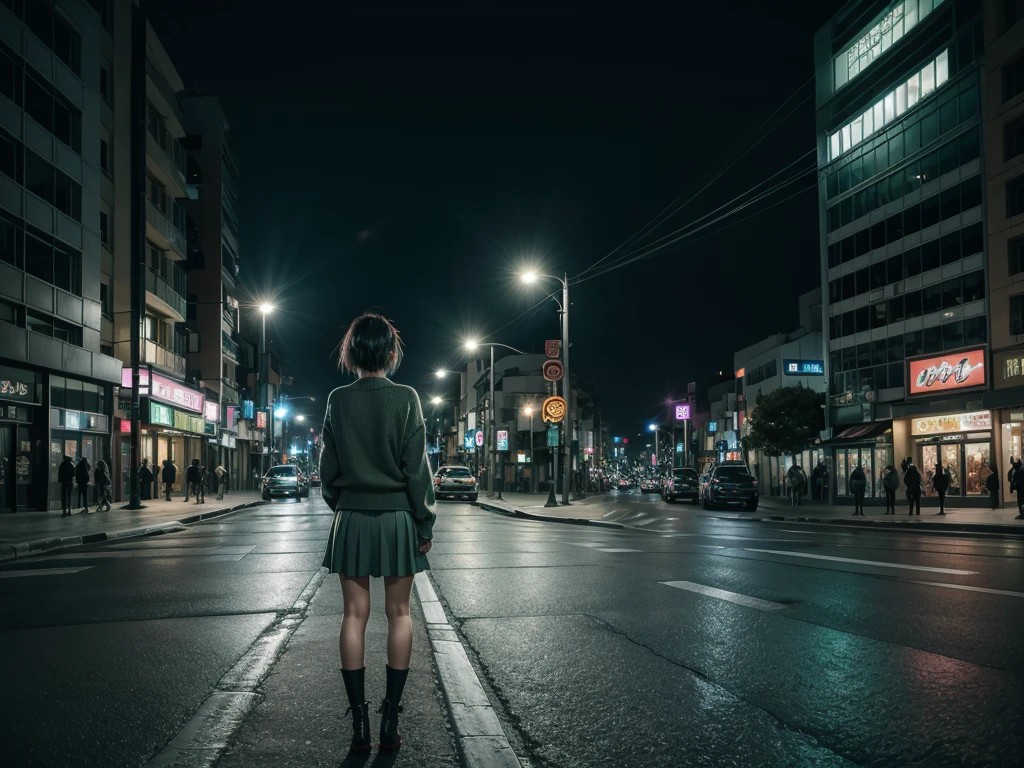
x: 371, y: 344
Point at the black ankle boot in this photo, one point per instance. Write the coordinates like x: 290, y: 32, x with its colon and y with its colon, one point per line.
x: 390, y: 738
x: 359, y: 707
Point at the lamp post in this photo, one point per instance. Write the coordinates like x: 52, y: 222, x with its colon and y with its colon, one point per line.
x: 492, y: 439
x: 264, y: 390
x: 531, y: 277
x: 654, y: 429
x: 437, y: 400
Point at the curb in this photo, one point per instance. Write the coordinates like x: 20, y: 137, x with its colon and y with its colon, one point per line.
x: 480, y: 736
x: 902, y: 525
x: 898, y: 525
x: 512, y: 512
x: 24, y: 549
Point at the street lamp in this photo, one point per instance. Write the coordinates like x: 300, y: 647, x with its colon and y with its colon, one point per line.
x: 300, y: 418
x: 471, y: 345
x: 529, y: 277
x: 528, y: 410
x: 654, y: 429
x: 265, y: 309
x: 436, y: 400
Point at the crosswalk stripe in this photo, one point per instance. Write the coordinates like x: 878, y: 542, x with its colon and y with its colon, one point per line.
x: 986, y: 590
x: 42, y: 572
x: 876, y: 563
x: 614, y: 549
x: 721, y: 594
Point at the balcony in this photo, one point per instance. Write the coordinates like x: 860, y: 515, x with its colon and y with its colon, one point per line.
x: 170, y: 171
x: 161, y: 230
x: 161, y: 295
x: 230, y: 346
x: 163, y: 358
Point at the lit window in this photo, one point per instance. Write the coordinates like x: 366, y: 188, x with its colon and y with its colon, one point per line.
x: 855, y: 133
x: 879, y: 116
x: 928, y: 78
x: 941, y: 68
x: 834, y: 146
x: 846, y: 138
x: 868, y: 120
x: 901, y: 100
x: 890, y: 107
x: 913, y: 89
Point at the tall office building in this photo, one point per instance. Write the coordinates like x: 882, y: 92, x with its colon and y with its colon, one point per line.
x: 1004, y: 193
x: 56, y: 384
x: 899, y: 126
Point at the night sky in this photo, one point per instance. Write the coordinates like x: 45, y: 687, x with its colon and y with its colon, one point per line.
x: 412, y: 160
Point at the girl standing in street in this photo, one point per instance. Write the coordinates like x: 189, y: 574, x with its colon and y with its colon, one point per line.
x: 376, y: 478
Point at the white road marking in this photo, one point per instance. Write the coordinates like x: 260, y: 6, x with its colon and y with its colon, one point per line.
x: 614, y: 549
x: 971, y: 589
x: 721, y: 594
x: 43, y: 572
x: 876, y: 563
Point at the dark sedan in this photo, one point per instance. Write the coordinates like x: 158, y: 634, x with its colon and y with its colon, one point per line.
x: 683, y: 483
x: 731, y: 486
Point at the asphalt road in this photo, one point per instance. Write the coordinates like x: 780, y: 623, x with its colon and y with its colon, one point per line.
x: 720, y: 642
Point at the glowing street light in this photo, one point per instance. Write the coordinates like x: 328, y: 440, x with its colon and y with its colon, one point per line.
x: 267, y: 308
x: 280, y: 413
x: 528, y: 277
x: 472, y: 344
x: 300, y: 417
x: 436, y: 400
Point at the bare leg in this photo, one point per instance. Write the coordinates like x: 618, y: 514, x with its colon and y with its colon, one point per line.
x: 352, y: 641
x: 397, y: 592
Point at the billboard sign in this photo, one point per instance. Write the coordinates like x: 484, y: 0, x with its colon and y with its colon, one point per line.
x: 478, y: 438
x: 469, y: 441
x: 502, y: 439
x: 947, y: 372
x: 956, y: 422
x: 803, y: 367
x: 682, y: 411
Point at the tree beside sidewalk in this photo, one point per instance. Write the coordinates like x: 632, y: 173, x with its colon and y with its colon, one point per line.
x: 785, y: 422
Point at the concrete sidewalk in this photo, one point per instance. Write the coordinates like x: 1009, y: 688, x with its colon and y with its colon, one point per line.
x: 602, y: 510
x: 23, y: 534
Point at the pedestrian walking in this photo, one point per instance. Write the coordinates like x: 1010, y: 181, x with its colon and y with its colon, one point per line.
x: 891, y: 484
x: 193, y: 476
x: 145, y: 481
x: 913, y: 481
x: 1017, y: 485
x: 82, y: 472
x: 992, y: 484
x: 66, y: 478
x: 796, y: 480
x: 168, y: 475
x: 940, y: 483
x: 102, y: 477
x: 221, y: 474
x: 858, y: 485
x: 376, y: 477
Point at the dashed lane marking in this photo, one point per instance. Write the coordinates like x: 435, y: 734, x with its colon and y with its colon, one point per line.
x: 967, y: 588
x: 42, y: 572
x: 875, y: 563
x: 721, y: 594
x: 616, y: 549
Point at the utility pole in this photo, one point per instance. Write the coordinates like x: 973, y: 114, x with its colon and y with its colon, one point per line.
x: 137, y: 253
x: 492, y: 437
x: 566, y: 388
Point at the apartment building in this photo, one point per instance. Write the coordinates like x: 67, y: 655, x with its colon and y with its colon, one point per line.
x: 214, y: 353
x: 899, y: 89
x: 56, y: 381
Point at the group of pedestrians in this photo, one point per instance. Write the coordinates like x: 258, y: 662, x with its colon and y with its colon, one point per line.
x: 70, y: 474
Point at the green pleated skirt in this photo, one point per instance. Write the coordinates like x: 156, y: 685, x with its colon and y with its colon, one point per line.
x: 371, y: 543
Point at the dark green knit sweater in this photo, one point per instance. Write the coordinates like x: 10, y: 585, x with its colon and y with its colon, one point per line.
x: 374, y: 452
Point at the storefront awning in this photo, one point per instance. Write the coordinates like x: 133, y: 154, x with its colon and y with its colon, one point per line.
x: 860, y: 432
x: 1011, y: 397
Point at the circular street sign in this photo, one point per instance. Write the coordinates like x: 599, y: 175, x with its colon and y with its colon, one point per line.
x: 553, y: 370
x: 552, y: 347
x: 479, y: 438
x: 554, y: 409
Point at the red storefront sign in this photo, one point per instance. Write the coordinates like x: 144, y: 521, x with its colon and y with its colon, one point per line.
x: 950, y: 371
x: 166, y: 390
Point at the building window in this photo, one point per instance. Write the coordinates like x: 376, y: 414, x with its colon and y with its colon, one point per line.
x: 105, y: 157
x: 1014, y: 196
x: 892, y: 105
x: 56, y: 329
x: 1017, y: 315
x: 105, y: 301
x: 53, y: 186
x: 1013, y: 78
x: 157, y: 194
x: 104, y: 229
x: 1015, y: 250
x: 56, y: 33
x: 12, y: 236
x: 52, y: 111
x: 53, y: 262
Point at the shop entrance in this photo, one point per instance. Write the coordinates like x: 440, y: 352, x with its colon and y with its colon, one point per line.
x: 969, y: 462
x: 872, y: 459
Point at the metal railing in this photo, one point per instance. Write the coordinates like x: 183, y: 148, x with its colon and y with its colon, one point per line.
x: 164, y: 291
x: 162, y: 357
x: 163, y: 224
x: 230, y: 346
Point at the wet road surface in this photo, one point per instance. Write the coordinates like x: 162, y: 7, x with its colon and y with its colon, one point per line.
x: 720, y: 642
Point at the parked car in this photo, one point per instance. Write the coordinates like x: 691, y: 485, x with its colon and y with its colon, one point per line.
x: 731, y: 484
x: 454, y: 482
x: 683, y: 483
x: 622, y: 484
x: 284, y: 481
x: 314, y: 480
